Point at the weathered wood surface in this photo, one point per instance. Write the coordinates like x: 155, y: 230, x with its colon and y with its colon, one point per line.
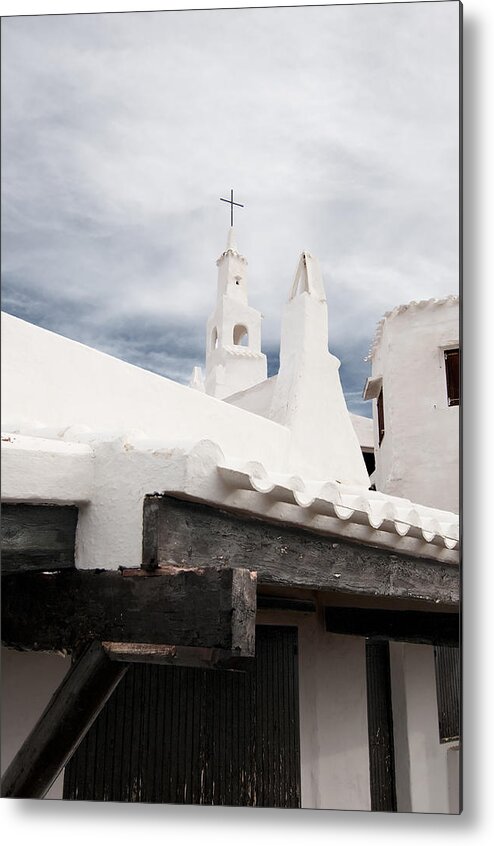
x: 37, y: 537
x: 210, y: 607
x: 285, y: 603
x: 186, y: 533
x: 382, y: 774
x: 174, y: 656
x: 70, y: 713
x: 407, y: 626
x: 447, y: 659
x: 192, y: 736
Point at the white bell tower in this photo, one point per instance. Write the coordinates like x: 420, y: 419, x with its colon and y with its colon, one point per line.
x: 234, y: 360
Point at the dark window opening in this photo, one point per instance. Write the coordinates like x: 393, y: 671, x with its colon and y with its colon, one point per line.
x: 447, y: 661
x: 380, y: 415
x: 452, y: 364
x: 370, y: 461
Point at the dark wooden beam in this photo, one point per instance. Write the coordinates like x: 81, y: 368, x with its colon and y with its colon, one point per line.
x: 37, y: 537
x: 285, y: 603
x: 408, y: 626
x: 209, y: 608
x: 70, y: 713
x: 184, y: 533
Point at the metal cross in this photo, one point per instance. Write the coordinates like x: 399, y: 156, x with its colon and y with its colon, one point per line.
x: 231, y: 205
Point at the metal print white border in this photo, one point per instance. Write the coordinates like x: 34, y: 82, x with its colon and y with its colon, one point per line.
x: 447, y: 533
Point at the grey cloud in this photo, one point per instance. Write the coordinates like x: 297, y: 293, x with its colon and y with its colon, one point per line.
x: 338, y: 126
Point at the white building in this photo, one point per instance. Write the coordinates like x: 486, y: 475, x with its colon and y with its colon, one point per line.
x: 414, y: 387
x: 272, y: 480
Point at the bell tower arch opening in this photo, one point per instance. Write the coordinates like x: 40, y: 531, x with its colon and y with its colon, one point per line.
x: 240, y: 335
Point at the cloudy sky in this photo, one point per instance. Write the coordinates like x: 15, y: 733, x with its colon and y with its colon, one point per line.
x: 336, y: 126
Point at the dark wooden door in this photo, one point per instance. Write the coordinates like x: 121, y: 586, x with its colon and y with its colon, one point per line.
x: 380, y: 727
x: 185, y: 735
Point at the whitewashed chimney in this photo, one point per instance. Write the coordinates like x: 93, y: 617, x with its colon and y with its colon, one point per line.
x: 308, y: 397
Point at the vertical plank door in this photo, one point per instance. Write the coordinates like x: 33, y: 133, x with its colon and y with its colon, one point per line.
x: 192, y: 736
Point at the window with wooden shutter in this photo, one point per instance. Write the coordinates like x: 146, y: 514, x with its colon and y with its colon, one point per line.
x: 452, y: 364
x: 380, y: 415
x: 447, y: 661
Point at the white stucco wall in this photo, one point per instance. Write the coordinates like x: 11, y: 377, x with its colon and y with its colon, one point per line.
x: 46, y: 470
x: 333, y: 714
x: 364, y: 429
x: 419, y: 455
x: 427, y: 771
x: 258, y: 400
x: 233, y: 368
x: 50, y: 382
x: 29, y: 679
x: 335, y: 755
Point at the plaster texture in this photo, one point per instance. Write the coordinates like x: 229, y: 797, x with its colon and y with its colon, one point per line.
x: 427, y: 776
x: 418, y: 456
x: 87, y: 391
x: 308, y: 397
x: 258, y: 399
x: 364, y: 429
x: 46, y: 470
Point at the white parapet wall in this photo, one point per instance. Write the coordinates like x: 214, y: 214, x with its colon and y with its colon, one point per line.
x: 51, y: 385
x: 46, y: 470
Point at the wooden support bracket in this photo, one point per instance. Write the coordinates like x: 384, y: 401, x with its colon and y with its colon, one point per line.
x: 70, y: 713
x: 177, y: 656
